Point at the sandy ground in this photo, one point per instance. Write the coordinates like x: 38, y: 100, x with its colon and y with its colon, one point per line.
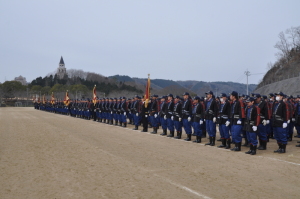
x: 45, y: 155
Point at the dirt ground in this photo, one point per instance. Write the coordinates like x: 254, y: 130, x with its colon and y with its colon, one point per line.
x: 46, y: 155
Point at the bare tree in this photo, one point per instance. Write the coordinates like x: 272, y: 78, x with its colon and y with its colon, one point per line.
x: 283, y: 46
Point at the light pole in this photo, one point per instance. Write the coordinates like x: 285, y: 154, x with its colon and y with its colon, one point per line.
x: 247, y: 73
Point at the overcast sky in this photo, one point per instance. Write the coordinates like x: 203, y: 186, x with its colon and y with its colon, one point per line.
x: 174, y: 39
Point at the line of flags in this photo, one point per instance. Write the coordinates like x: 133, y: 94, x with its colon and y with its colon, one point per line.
x: 94, y: 94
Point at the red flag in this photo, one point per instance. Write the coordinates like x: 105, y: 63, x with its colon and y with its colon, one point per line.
x: 147, y: 92
x: 94, y: 95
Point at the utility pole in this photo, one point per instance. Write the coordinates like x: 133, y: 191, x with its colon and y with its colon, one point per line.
x: 247, y: 73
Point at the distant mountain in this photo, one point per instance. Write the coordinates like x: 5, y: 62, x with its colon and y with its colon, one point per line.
x: 163, y: 86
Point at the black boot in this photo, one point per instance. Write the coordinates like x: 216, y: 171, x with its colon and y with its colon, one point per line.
x: 238, y: 146
x: 178, y: 135
x: 263, y: 145
x: 135, y: 127
x: 253, y: 150
x: 279, y: 149
x: 204, y: 134
x: 228, y: 144
x: 188, y: 137
x: 154, y: 130
x: 194, y: 134
x: 171, y: 134
x: 246, y: 142
x: 125, y: 125
x: 283, y: 147
x: 144, y: 130
x: 223, y: 143
x: 298, y: 145
x: 164, y: 132
x: 121, y: 124
x: 250, y: 151
x: 210, y: 141
x: 213, y: 140
x: 198, y: 139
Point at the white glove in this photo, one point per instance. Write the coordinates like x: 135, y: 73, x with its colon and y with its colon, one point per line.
x: 125, y: 113
x: 94, y: 110
x: 136, y: 114
x: 293, y: 119
x: 189, y: 119
x: 88, y: 110
x: 288, y: 121
x: 239, y: 122
x: 179, y: 119
x: 254, y: 128
x: 146, y: 116
x: 100, y: 111
x: 204, y: 120
x: 155, y: 115
x: 165, y: 117
x: 284, y: 125
x: 111, y: 112
x: 268, y: 121
x: 172, y: 118
x: 264, y: 122
x: 227, y: 123
x: 214, y: 120
x: 129, y: 112
x: 201, y: 122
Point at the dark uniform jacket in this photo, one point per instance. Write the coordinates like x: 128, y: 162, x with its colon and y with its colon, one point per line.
x: 279, y: 115
x: 224, y: 112
x: 252, y: 118
x: 236, y: 112
x: 187, y: 109
x: 211, y: 109
x: 163, y: 109
x: 198, y: 112
x: 177, y: 110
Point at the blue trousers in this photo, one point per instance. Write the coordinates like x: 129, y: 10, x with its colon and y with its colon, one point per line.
x: 211, y: 128
x: 252, y: 138
x: 262, y: 132
x: 137, y: 120
x: 197, y: 128
x: 123, y: 118
x: 178, y: 126
x: 153, y: 121
x: 280, y: 134
x: 170, y: 124
x: 164, y: 123
x: 224, y: 131
x: 187, y: 126
x: 236, y: 132
x: 298, y: 130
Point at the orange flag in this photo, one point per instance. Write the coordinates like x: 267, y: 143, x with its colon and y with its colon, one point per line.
x: 67, y: 99
x: 52, y: 98
x: 147, y: 92
x: 94, y: 95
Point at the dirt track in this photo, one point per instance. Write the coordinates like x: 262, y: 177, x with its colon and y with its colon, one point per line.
x: 45, y: 155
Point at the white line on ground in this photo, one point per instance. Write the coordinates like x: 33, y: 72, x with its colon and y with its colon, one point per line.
x: 183, y: 187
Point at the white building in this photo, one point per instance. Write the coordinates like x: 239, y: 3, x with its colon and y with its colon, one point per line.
x: 21, y: 79
x: 61, y: 70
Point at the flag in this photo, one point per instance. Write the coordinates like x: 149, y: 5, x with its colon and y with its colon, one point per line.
x: 52, y: 98
x: 44, y: 101
x: 67, y: 99
x: 94, y: 95
x: 147, y: 92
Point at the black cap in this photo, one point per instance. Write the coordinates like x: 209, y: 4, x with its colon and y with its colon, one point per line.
x: 197, y: 98
x: 170, y: 95
x: 241, y: 95
x: 177, y: 97
x: 264, y: 96
x: 271, y: 95
x: 185, y: 93
x: 234, y: 93
x: 155, y: 96
x: 223, y: 95
x: 279, y: 93
x: 209, y: 92
x: 250, y: 99
x: 256, y: 96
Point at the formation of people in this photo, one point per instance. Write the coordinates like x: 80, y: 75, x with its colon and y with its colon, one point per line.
x: 256, y: 118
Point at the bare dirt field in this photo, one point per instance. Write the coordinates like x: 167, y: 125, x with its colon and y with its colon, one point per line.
x: 46, y: 155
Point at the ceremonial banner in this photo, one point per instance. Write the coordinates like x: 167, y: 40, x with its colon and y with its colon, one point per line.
x: 147, y: 92
x: 94, y: 95
x: 67, y: 99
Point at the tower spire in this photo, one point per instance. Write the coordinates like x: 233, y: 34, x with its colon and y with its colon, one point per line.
x: 62, y: 61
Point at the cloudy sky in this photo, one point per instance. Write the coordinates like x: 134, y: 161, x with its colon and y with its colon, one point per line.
x: 170, y: 39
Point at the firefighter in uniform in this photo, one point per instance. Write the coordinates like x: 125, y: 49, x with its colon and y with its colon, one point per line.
x: 211, y: 114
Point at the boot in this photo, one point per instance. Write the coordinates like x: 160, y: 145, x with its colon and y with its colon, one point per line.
x: 154, y: 130
x: 250, y: 151
x: 198, y: 139
x: 238, y: 146
x: 213, y: 140
x: 210, y: 141
x: 235, y: 147
x: 188, y: 137
x: 283, y: 147
x: 220, y: 140
x: 135, y: 127
x: 279, y: 149
x: 164, y: 132
x: 263, y: 145
x: 194, y: 134
x: 204, y: 134
x: 116, y: 123
x: 223, y: 144
x: 228, y: 146
x: 178, y: 135
x: 246, y: 142
x: 121, y: 124
x: 253, y: 150
x: 171, y: 134
x: 298, y: 141
x: 298, y: 145
x: 125, y: 125
x: 144, y: 130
